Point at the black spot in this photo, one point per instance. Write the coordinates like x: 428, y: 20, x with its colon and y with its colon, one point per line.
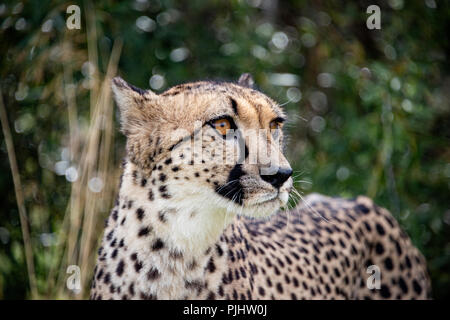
x: 408, y: 262
x: 220, y: 291
x: 388, y: 263
x: 225, y: 279
x: 219, y: 250
x: 385, y: 292
x: 261, y: 291
x: 120, y: 268
x: 368, y: 263
x: 398, y: 248
x: 166, y: 196
x: 138, y: 266
x: 300, y: 270
x: 379, y: 248
x: 417, y: 287
x: 99, y: 274
x: 153, y: 274
x: 362, y: 208
x: 140, y: 213
x: 157, y: 245
x: 151, y: 196
x: 143, y: 231
x: 211, y: 266
x: 286, y: 279
x: 131, y: 289
x: 390, y: 221
x: 147, y: 296
x: 380, y: 229
x: 162, y: 216
x: 168, y: 161
x: 143, y: 182
x: 107, y: 278
x: 162, y: 177
x: 279, y: 287
x: 110, y: 235
x: 402, y: 285
x: 337, y: 273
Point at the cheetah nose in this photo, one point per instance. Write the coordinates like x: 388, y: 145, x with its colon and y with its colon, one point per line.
x: 278, y: 178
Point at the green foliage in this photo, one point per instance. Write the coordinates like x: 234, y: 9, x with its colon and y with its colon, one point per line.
x: 369, y: 109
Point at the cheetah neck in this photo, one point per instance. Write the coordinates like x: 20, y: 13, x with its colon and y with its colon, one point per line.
x: 185, y: 219
x: 175, y: 232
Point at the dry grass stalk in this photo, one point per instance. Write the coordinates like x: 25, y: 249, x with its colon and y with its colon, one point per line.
x: 19, y: 197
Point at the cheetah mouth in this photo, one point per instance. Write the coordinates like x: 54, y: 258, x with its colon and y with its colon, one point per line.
x: 268, y: 198
x: 280, y: 197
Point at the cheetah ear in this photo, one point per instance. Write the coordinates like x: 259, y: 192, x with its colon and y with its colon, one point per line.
x: 246, y: 80
x: 132, y: 103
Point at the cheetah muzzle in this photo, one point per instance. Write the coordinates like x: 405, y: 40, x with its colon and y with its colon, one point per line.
x: 198, y: 214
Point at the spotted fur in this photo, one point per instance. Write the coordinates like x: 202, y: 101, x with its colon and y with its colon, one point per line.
x: 187, y: 227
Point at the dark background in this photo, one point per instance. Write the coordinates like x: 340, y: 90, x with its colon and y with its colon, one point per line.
x: 368, y: 111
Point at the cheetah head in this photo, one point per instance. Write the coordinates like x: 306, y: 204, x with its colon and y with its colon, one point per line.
x: 216, y: 143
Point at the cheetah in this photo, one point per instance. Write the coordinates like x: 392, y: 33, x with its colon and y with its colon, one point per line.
x: 194, y: 219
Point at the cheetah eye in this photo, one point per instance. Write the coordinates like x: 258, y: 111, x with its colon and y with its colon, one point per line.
x: 222, y: 125
x: 276, y: 124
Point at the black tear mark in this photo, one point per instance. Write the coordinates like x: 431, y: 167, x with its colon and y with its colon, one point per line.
x: 232, y: 189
